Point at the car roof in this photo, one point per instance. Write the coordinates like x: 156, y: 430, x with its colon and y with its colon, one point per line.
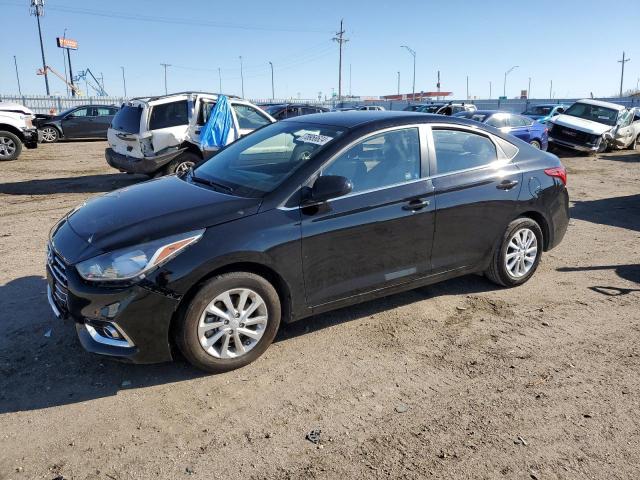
x: 600, y: 103
x: 357, y: 118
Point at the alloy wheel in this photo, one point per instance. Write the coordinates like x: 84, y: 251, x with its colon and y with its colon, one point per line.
x: 233, y: 323
x: 7, y: 147
x: 522, y: 251
x: 49, y: 134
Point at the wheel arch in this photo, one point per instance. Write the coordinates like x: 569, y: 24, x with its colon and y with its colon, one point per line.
x: 11, y: 129
x: 270, y: 274
x: 54, y: 126
x: 541, y: 220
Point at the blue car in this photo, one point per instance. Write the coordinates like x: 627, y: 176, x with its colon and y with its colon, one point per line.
x: 531, y: 131
x: 544, y: 112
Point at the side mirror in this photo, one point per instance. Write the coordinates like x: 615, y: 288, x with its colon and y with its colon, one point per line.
x: 330, y: 186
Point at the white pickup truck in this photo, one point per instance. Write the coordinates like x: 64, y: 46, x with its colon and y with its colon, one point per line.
x: 161, y: 135
x: 596, y: 126
x: 16, y: 130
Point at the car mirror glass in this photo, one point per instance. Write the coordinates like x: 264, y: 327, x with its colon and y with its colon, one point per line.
x: 327, y: 187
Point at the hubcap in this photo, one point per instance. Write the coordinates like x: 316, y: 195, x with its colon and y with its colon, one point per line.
x: 535, y: 145
x: 183, y: 167
x: 233, y: 323
x: 522, y: 251
x: 7, y: 147
x: 49, y: 134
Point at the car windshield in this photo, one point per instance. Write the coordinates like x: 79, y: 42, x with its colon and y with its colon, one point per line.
x: 258, y: 163
x: 595, y: 113
x: 538, y: 110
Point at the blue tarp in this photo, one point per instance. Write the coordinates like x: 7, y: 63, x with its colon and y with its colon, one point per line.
x: 215, y: 133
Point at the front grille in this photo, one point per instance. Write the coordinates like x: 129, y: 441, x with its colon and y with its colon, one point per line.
x: 571, y: 135
x: 58, y: 270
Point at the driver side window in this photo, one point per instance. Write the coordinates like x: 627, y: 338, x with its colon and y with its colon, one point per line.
x: 379, y: 161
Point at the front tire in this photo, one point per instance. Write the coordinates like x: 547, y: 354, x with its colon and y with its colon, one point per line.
x: 50, y: 134
x: 230, y: 322
x: 10, y: 146
x: 517, y: 256
x: 535, y: 144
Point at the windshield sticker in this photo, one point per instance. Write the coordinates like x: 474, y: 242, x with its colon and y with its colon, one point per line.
x: 603, y: 117
x: 315, y: 139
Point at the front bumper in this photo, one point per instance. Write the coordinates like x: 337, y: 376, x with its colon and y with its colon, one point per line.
x: 127, y: 323
x: 147, y: 165
x: 574, y: 146
x: 31, y: 137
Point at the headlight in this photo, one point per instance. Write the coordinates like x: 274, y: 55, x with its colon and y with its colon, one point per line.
x: 135, y: 261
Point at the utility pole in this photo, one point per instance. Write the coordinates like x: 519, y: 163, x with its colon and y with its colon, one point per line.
x: 15, y: 62
x: 241, y: 75
x: 349, y: 80
x: 623, y: 61
x: 529, y: 90
x: 273, y: 90
x: 489, y: 90
x: 467, y: 87
x: 341, y: 40
x: 165, y: 65
x: 37, y: 9
x: 398, y: 83
x: 64, y: 61
x: 413, y: 53
x: 220, y: 79
x: 550, y: 89
x: 504, y: 90
x: 438, y: 85
x: 124, y: 83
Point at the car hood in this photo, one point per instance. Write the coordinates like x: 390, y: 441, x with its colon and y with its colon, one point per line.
x: 15, y: 108
x: 151, y: 210
x: 581, y: 124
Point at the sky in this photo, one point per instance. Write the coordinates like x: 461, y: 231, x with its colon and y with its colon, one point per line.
x: 574, y: 43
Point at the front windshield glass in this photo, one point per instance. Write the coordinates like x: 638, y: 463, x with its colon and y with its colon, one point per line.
x: 595, y: 113
x: 258, y: 163
x: 538, y: 110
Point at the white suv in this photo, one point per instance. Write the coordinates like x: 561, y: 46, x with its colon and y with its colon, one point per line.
x: 161, y: 135
x: 16, y: 129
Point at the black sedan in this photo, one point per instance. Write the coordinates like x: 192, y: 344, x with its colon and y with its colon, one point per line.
x: 86, y: 121
x: 300, y: 217
x: 290, y: 110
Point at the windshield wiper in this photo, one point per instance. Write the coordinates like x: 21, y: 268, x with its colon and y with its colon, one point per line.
x: 211, y: 183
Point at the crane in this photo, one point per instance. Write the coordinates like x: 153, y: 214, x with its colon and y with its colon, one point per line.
x: 47, y: 68
x: 82, y: 75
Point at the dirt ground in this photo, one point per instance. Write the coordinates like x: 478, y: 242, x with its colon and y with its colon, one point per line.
x: 457, y: 380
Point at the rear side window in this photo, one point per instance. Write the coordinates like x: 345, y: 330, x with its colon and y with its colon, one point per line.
x: 497, y: 121
x: 461, y: 150
x: 205, y: 112
x: 249, y: 118
x: 103, y: 111
x: 169, y: 115
x: 518, y: 121
x: 127, y: 119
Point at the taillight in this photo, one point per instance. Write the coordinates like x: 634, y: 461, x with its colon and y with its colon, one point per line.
x: 557, y: 172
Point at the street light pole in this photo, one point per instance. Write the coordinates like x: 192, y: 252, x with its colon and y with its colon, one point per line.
x: 529, y: 90
x: 504, y: 90
x: 124, y: 83
x: 241, y: 76
x: 64, y: 60
x: 220, y: 79
x: 398, y: 83
x: 413, y: 53
x: 165, y: 65
x: 273, y: 94
x: 467, y: 87
x: 551, y: 89
x: 489, y: 90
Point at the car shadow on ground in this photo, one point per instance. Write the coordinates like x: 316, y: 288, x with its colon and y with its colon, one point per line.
x: 80, y: 184
x: 623, y: 212
x: 630, y: 273
x: 42, y: 364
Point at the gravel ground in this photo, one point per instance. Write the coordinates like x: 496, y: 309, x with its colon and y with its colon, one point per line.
x: 457, y: 380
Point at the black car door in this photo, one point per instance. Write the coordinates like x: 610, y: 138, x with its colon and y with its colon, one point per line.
x: 476, y: 188
x: 102, y: 120
x: 76, y: 124
x: 381, y: 233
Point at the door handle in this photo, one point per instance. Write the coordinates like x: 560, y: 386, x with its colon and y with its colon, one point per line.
x: 414, y: 205
x: 507, y: 184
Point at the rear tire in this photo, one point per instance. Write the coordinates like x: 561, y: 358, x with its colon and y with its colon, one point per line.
x: 10, y: 146
x: 514, y: 260
x: 220, y: 322
x: 635, y: 143
x: 181, y: 164
x: 535, y: 144
x: 50, y: 134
